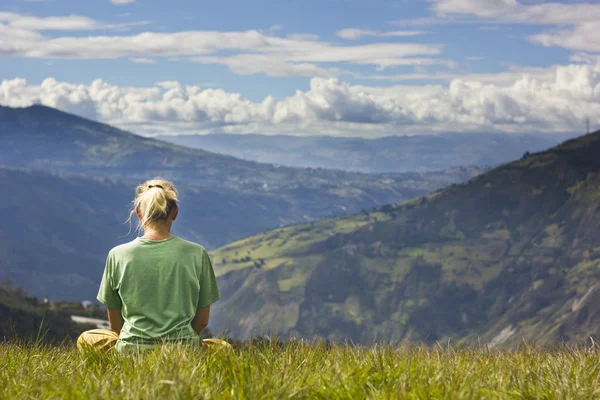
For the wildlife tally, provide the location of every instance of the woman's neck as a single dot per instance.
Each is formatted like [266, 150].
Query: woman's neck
[153, 233]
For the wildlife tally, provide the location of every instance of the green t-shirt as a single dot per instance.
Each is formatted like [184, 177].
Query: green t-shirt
[158, 285]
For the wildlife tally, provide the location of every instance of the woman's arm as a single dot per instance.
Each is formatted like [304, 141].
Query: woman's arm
[200, 320]
[115, 319]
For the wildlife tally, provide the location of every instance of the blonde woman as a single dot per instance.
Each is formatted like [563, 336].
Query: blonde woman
[158, 288]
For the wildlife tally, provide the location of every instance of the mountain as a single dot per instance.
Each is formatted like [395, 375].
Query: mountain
[68, 183]
[387, 154]
[44, 138]
[247, 196]
[511, 254]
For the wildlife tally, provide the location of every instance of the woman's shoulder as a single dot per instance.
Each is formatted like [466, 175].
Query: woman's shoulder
[124, 247]
[191, 246]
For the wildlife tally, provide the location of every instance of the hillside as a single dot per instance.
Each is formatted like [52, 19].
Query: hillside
[71, 182]
[249, 197]
[512, 253]
[387, 154]
[24, 318]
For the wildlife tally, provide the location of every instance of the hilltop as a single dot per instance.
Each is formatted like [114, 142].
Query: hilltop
[513, 253]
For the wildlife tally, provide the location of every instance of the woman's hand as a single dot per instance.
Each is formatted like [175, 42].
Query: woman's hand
[115, 319]
[200, 321]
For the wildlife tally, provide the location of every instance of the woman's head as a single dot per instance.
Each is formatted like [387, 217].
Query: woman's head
[155, 203]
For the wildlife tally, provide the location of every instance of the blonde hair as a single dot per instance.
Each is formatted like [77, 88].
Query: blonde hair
[156, 199]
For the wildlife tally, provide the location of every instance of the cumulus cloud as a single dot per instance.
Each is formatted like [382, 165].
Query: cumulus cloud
[121, 2]
[556, 99]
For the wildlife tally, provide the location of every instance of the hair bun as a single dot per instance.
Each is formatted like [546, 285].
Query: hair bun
[154, 206]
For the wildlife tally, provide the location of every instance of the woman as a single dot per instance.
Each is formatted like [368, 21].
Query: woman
[158, 288]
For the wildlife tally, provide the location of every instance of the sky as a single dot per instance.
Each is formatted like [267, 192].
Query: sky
[366, 68]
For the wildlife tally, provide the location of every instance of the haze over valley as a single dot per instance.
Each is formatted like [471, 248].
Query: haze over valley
[388, 154]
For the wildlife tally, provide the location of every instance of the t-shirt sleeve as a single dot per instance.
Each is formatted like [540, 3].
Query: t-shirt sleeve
[209, 291]
[107, 294]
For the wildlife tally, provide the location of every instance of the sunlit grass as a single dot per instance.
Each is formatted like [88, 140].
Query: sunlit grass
[301, 370]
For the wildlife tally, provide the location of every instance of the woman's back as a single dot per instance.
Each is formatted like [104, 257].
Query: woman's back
[158, 285]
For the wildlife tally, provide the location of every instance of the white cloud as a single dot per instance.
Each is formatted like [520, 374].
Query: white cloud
[514, 11]
[304, 63]
[426, 21]
[579, 22]
[251, 51]
[585, 58]
[505, 78]
[121, 2]
[552, 99]
[142, 60]
[303, 36]
[581, 37]
[70, 22]
[271, 65]
[20, 22]
[355, 34]
[576, 23]
[365, 54]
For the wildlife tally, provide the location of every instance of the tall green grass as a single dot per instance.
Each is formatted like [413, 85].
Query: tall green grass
[300, 370]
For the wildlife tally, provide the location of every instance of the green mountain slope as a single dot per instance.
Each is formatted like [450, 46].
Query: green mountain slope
[512, 253]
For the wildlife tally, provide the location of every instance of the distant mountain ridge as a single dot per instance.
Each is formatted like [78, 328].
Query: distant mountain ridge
[70, 183]
[512, 254]
[388, 154]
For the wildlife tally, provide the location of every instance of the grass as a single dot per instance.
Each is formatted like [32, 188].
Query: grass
[300, 370]
[283, 244]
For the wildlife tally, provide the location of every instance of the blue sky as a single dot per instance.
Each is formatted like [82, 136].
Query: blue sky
[339, 67]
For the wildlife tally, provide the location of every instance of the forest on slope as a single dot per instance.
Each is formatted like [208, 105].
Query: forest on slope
[513, 253]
